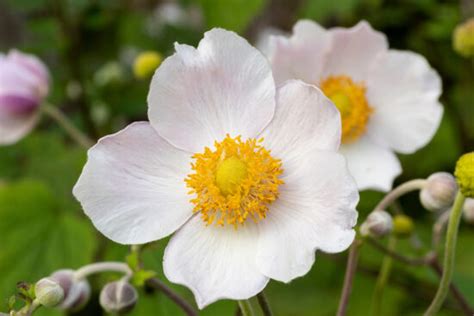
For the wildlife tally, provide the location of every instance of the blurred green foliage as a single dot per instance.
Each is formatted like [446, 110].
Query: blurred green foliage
[89, 46]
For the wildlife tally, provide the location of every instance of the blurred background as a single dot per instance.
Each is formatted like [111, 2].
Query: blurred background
[90, 47]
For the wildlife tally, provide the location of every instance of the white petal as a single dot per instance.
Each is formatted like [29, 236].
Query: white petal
[132, 186]
[305, 120]
[214, 262]
[353, 50]
[225, 86]
[14, 127]
[315, 210]
[371, 165]
[300, 56]
[403, 90]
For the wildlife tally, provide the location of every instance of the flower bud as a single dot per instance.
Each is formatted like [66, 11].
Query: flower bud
[48, 292]
[378, 224]
[465, 174]
[439, 191]
[24, 82]
[118, 297]
[468, 210]
[463, 38]
[146, 63]
[403, 225]
[76, 293]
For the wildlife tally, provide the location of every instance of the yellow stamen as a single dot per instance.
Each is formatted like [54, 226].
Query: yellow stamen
[236, 181]
[349, 98]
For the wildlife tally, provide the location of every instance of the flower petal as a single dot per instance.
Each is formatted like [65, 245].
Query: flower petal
[300, 56]
[214, 262]
[403, 90]
[305, 120]
[371, 165]
[14, 126]
[132, 186]
[225, 86]
[353, 50]
[315, 210]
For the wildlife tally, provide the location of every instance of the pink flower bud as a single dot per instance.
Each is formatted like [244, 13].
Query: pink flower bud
[118, 297]
[24, 83]
[439, 192]
[76, 293]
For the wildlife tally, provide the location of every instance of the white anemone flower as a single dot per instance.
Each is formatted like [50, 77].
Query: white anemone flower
[388, 98]
[250, 184]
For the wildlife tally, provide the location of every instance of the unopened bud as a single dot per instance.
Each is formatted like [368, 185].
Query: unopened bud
[465, 174]
[76, 293]
[118, 297]
[439, 191]
[468, 210]
[48, 292]
[146, 63]
[378, 224]
[403, 225]
[463, 38]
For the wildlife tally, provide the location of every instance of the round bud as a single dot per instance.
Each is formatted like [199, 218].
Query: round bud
[465, 174]
[48, 292]
[76, 293]
[439, 191]
[118, 297]
[403, 225]
[463, 38]
[146, 63]
[377, 224]
[468, 210]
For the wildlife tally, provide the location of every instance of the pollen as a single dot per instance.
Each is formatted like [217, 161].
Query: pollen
[236, 181]
[349, 97]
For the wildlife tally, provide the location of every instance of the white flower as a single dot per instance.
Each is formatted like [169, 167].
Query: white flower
[388, 99]
[24, 82]
[200, 168]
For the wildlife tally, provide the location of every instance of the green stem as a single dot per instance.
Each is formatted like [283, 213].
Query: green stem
[263, 302]
[66, 124]
[246, 308]
[382, 278]
[449, 253]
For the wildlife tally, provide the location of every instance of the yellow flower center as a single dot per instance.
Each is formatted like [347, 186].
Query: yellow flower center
[235, 181]
[349, 98]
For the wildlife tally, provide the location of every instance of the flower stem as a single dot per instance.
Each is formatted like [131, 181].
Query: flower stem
[382, 278]
[349, 277]
[158, 285]
[246, 308]
[449, 252]
[66, 124]
[98, 267]
[262, 300]
[402, 189]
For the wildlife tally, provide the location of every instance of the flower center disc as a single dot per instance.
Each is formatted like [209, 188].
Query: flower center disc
[236, 181]
[349, 98]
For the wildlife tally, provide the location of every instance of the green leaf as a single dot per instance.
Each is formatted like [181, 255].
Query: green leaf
[36, 237]
[141, 276]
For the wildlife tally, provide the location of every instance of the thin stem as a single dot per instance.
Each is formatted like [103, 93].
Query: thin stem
[438, 228]
[66, 124]
[262, 300]
[156, 284]
[402, 189]
[349, 277]
[395, 255]
[98, 267]
[383, 277]
[449, 252]
[246, 308]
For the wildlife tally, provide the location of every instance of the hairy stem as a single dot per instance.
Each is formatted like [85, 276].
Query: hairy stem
[246, 308]
[98, 267]
[263, 302]
[402, 189]
[449, 252]
[351, 268]
[156, 284]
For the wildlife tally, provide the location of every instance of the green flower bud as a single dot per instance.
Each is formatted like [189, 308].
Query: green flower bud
[465, 174]
[118, 297]
[146, 63]
[403, 225]
[439, 191]
[377, 224]
[463, 38]
[48, 292]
